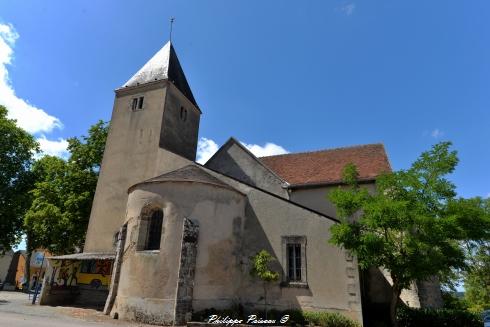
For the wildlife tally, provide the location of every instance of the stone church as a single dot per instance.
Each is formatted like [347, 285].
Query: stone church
[168, 236]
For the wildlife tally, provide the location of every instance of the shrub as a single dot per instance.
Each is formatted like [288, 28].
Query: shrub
[296, 317]
[328, 319]
[410, 317]
[453, 302]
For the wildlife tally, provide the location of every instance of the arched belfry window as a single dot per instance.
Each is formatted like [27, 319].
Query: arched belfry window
[154, 234]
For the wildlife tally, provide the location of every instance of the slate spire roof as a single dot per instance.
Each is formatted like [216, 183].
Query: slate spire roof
[163, 65]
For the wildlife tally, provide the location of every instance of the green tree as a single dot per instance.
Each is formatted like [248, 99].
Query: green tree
[17, 148]
[87, 151]
[413, 225]
[260, 269]
[63, 194]
[477, 279]
[45, 222]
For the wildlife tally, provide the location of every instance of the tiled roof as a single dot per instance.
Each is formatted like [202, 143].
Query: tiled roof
[325, 167]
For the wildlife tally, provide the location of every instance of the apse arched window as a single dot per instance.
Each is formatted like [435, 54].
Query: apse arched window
[154, 230]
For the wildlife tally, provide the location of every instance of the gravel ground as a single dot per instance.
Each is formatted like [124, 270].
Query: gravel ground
[16, 310]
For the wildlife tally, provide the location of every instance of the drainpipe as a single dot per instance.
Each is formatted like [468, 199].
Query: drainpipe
[116, 271]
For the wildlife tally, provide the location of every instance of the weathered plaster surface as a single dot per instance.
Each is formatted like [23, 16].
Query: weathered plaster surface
[133, 153]
[234, 160]
[179, 130]
[316, 198]
[233, 226]
[154, 274]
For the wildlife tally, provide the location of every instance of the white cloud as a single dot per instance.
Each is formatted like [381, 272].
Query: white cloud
[488, 195]
[29, 117]
[348, 9]
[53, 148]
[205, 149]
[437, 133]
[269, 149]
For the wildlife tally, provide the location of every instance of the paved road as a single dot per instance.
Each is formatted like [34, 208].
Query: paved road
[9, 319]
[17, 311]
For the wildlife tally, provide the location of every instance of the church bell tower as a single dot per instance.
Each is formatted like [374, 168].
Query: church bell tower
[153, 130]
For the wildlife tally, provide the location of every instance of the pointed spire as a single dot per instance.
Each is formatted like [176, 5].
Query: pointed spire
[163, 65]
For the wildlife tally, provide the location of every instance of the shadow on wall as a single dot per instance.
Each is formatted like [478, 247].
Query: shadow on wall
[280, 295]
[227, 165]
[376, 297]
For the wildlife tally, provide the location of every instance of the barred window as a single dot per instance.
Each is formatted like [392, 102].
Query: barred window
[294, 261]
[154, 230]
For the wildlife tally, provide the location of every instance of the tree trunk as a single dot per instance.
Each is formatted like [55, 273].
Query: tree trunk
[396, 291]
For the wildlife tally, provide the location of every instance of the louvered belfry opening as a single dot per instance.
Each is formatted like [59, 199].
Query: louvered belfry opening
[155, 230]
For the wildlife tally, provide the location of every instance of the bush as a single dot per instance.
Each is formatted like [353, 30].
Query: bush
[328, 319]
[410, 317]
[296, 317]
[453, 302]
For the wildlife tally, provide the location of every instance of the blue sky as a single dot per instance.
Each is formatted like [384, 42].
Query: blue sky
[302, 75]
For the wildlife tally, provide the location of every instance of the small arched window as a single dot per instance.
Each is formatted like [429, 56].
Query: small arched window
[154, 234]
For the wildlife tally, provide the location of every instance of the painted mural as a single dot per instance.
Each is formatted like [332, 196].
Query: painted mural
[70, 273]
[38, 266]
[64, 273]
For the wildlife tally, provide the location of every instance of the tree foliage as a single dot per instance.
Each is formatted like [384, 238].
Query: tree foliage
[477, 279]
[17, 148]
[63, 194]
[260, 269]
[413, 224]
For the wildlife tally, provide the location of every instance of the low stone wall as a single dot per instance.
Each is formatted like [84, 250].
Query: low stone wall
[145, 310]
[83, 296]
[55, 295]
[89, 297]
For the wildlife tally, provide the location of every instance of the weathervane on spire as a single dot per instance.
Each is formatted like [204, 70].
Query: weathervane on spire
[171, 24]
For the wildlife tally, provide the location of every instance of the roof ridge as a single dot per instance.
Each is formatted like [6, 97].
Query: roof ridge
[271, 194]
[242, 146]
[173, 176]
[324, 150]
[176, 171]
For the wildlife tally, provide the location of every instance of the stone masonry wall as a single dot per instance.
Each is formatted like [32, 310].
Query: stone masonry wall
[185, 287]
